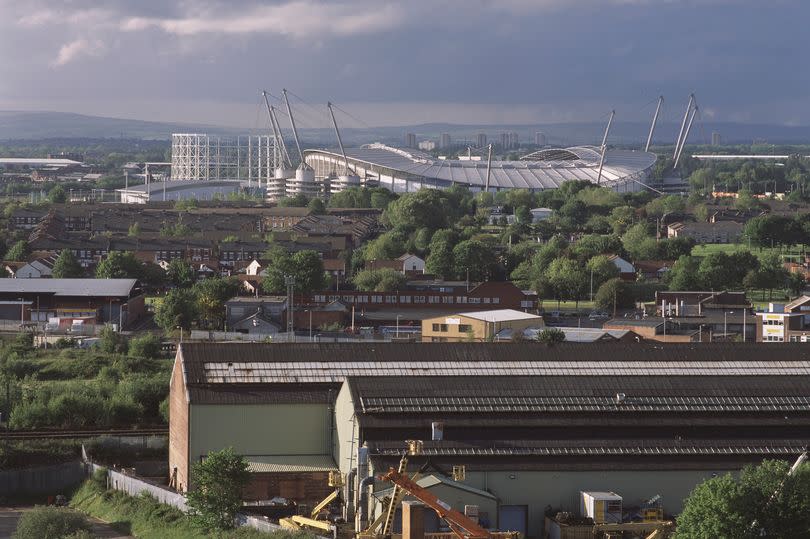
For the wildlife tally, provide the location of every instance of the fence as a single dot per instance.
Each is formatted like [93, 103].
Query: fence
[300, 337]
[135, 487]
[49, 480]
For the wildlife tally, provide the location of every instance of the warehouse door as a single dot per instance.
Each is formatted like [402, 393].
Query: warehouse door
[513, 518]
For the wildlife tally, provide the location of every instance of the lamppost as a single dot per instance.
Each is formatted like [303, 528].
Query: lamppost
[310, 324]
[398, 317]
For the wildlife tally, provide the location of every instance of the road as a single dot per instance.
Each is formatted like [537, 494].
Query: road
[10, 515]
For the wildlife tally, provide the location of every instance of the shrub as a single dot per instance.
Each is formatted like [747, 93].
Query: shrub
[112, 342]
[147, 346]
[551, 336]
[50, 523]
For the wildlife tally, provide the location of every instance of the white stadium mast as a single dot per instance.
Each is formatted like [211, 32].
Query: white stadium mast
[686, 135]
[654, 121]
[683, 124]
[292, 124]
[340, 141]
[604, 146]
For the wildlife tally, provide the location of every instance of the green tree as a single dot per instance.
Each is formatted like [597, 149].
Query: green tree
[614, 293]
[764, 502]
[180, 273]
[602, 269]
[684, 274]
[66, 266]
[381, 280]
[177, 309]
[551, 336]
[119, 265]
[316, 206]
[474, 258]
[211, 295]
[639, 243]
[112, 342]
[306, 267]
[425, 208]
[18, 252]
[147, 346]
[217, 484]
[567, 279]
[57, 195]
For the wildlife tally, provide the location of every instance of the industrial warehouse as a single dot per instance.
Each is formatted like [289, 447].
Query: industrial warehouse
[517, 431]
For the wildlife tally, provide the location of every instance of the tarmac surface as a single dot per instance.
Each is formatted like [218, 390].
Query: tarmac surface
[10, 515]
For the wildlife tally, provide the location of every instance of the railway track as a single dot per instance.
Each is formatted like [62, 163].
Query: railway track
[67, 434]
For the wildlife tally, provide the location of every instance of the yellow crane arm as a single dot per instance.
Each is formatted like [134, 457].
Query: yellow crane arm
[325, 502]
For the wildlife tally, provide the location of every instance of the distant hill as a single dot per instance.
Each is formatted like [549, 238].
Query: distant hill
[19, 125]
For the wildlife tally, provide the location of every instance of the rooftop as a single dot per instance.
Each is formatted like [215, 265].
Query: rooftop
[69, 287]
[501, 315]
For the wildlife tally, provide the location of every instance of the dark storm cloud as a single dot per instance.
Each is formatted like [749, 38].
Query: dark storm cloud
[454, 60]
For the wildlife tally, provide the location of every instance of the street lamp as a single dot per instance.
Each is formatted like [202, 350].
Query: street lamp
[310, 324]
[398, 317]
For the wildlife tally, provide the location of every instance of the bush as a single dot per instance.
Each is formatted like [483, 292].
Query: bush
[50, 523]
[551, 336]
[112, 342]
[148, 346]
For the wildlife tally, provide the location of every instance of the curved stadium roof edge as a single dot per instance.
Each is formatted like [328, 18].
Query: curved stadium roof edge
[544, 169]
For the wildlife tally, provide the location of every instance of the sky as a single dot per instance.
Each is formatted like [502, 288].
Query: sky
[410, 62]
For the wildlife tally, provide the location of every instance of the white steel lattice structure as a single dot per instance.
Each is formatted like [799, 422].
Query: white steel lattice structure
[202, 157]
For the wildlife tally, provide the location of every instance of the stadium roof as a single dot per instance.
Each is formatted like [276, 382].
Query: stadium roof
[36, 162]
[546, 169]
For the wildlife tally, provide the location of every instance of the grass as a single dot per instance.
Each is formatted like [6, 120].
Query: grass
[146, 518]
[729, 248]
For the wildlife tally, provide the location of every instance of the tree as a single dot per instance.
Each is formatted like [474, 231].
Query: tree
[567, 279]
[66, 266]
[684, 274]
[551, 336]
[306, 267]
[112, 342]
[217, 484]
[381, 280]
[18, 252]
[119, 265]
[763, 502]
[316, 206]
[180, 273]
[147, 346]
[211, 295]
[614, 294]
[57, 195]
[473, 258]
[638, 242]
[424, 208]
[602, 269]
[177, 309]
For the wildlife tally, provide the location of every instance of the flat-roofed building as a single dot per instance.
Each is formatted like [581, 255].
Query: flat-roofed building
[477, 326]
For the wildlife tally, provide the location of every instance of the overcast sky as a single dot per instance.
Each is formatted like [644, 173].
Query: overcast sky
[395, 63]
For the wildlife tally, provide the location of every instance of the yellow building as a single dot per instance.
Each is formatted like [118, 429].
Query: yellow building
[476, 326]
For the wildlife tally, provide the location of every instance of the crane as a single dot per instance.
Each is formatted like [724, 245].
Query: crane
[314, 520]
[462, 526]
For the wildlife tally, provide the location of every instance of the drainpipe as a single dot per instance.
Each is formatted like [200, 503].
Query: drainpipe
[349, 496]
[362, 514]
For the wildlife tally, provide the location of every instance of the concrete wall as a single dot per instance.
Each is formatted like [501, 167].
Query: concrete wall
[135, 487]
[178, 429]
[260, 429]
[50, 480]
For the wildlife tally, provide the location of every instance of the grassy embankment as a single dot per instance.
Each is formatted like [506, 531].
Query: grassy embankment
[145, 518]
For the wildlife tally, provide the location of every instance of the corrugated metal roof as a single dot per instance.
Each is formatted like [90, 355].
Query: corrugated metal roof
[432, 480]
[251, 363]
[500, 315]
[69, 287]
[290, 463]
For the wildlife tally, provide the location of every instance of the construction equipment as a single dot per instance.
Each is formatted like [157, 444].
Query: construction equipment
[652, 510]
[320, 519]
[463, 527]
[653, 530]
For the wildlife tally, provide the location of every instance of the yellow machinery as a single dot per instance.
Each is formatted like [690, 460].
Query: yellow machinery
[653, 530]
[317, 520]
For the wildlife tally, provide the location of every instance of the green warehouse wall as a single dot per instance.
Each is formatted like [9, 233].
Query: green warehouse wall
[260, 429]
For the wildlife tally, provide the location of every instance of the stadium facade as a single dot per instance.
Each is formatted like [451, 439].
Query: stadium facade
[406, 170]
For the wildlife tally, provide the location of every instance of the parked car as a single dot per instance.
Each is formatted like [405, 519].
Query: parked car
[598, 315]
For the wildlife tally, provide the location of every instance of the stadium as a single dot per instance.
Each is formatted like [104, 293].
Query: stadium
[409, 170]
